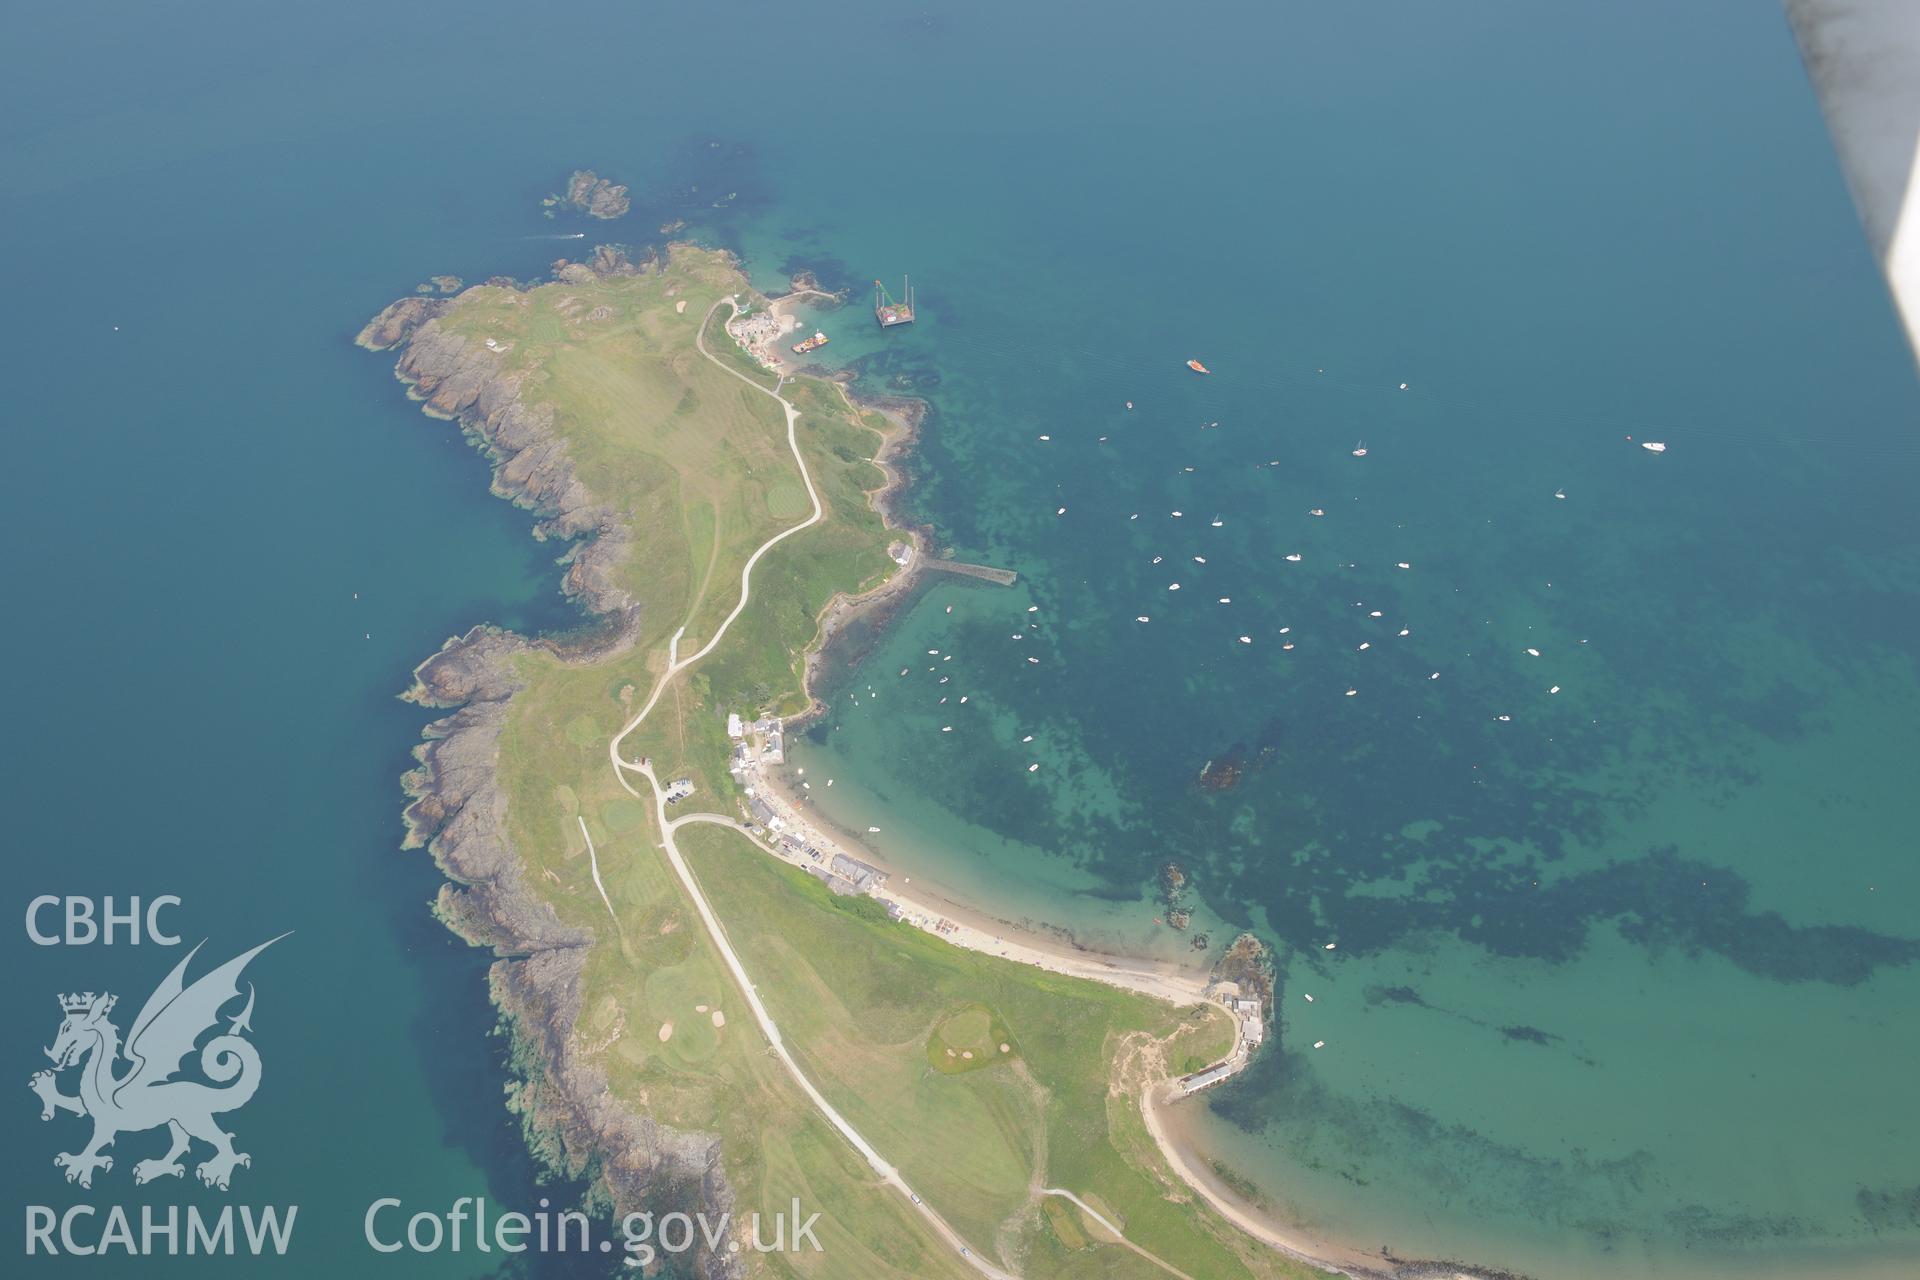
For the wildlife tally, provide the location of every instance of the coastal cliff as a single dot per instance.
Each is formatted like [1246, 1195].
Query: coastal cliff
[455, 379]
[457, 808]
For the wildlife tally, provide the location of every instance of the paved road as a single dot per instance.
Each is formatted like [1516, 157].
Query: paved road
[715, 931]
[718, 933]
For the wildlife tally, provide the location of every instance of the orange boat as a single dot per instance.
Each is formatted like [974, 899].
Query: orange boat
[1197, 367]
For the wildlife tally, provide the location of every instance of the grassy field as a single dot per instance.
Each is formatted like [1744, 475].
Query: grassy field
[881, 1016]
[871, 1009]
[683, 449]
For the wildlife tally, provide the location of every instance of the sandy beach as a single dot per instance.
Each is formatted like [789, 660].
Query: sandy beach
[1165, 1109]
[930, 906]
[1170, 1123]
[800, 835]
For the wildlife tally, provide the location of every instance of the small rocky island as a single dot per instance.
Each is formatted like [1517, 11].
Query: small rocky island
[593, 195]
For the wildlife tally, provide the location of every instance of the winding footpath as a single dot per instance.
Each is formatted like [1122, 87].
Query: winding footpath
[715, 930]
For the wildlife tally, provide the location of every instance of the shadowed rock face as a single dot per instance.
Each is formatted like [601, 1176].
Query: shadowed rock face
[460, 379]
[397, 322]
[458, 811]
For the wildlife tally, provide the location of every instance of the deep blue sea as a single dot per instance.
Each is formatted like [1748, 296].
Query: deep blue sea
[1604, 799]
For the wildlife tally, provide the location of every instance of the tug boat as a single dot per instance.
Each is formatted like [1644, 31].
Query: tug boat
[814, 343]
[1197, 367]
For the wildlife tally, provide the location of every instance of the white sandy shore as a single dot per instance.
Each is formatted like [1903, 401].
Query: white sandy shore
[1161, 1105]
[966, 926]
[1170, 1125]
[926, 906]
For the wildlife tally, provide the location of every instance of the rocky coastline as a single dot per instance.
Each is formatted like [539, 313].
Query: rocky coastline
[906, 415]
[456, 809]
[458, 812]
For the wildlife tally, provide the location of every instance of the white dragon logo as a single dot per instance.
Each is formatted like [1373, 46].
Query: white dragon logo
[146, 1095]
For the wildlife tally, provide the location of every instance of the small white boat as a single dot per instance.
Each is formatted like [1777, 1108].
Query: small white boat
[1359, 450]
[1653, 446]
[873, 831]
[1295, 557]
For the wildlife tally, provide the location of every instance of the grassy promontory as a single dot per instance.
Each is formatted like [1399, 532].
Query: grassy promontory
[602, 414]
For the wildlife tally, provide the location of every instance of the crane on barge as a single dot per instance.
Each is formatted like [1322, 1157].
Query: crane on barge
[886, 310]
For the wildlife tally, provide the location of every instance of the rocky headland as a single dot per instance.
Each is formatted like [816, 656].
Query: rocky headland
[458, 811]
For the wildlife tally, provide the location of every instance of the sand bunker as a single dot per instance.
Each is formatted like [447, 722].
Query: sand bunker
[666, 1032]
[719, 1018]
[699, 1008]
[1006, 1048]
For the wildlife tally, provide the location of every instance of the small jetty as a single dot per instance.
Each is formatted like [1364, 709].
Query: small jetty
[888, 312]
[985, 572]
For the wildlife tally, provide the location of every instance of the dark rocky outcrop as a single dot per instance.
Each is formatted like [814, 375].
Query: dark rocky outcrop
[593, 195]
[458, 810]
[461, 379]
[394, 324]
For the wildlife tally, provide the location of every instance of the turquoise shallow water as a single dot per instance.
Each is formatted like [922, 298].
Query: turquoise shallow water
[1627, 976]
